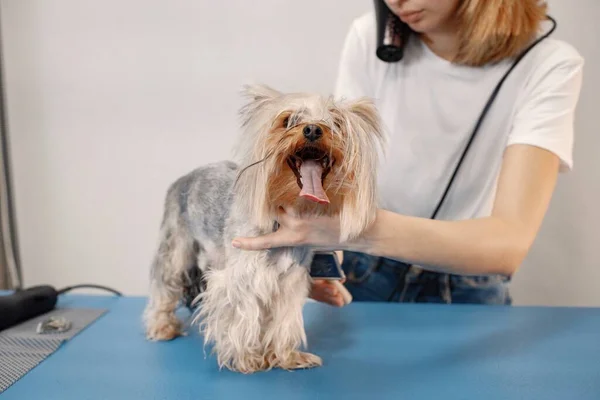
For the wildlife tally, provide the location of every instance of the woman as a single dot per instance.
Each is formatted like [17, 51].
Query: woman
[430, 102]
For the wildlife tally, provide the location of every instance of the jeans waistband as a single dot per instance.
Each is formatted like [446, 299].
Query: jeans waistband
[398, 281]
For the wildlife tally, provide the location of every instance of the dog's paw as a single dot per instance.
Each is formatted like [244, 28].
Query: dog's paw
[246, 365]
[251, 365]
[301, 360]
[165, 328]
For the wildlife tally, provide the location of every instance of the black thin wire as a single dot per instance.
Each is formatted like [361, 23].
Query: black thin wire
[485, 111]
[89, 286]
[250, 166]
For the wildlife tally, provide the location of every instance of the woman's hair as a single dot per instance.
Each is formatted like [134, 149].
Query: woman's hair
[492, 30]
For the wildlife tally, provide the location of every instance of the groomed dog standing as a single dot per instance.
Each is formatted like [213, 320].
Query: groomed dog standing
[313, 154]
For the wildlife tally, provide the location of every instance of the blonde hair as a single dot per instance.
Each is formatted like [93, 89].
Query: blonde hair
[493, 30]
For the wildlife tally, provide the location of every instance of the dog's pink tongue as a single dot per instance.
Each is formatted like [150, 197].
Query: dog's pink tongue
[312, 189]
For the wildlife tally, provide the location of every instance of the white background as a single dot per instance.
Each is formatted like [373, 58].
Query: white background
[109, 101]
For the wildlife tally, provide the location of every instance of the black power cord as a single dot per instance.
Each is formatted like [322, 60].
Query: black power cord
[25, 304]
[89, 286]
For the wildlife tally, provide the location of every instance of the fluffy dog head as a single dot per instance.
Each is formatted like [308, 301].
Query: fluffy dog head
[311, 153]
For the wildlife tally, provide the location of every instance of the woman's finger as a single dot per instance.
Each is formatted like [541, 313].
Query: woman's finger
[332, 301]
[264, 242]
[336, 301]
[325, 292]
[284, 236]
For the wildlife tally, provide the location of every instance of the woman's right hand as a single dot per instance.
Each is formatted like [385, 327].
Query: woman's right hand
[326, 292]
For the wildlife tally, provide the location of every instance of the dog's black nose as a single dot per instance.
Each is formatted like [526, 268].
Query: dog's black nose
[312, 132]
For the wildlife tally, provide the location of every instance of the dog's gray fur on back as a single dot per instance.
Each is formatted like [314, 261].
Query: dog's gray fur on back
[183, 221]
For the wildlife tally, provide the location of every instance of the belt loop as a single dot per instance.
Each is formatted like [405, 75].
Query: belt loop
[406, 279]
[413, 272]
[444, 285]
[402, 281]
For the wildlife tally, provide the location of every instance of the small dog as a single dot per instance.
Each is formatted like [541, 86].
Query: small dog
[306, 152]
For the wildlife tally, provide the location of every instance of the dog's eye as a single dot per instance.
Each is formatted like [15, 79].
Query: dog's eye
[286, 122]
[337, 124]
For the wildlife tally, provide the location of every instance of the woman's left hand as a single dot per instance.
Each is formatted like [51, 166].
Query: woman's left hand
[318, 232]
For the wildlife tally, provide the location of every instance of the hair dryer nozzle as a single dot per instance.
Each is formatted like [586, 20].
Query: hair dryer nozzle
[392, 34]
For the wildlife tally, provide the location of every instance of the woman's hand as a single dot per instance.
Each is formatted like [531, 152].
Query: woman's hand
[318, 232]
[326, 292]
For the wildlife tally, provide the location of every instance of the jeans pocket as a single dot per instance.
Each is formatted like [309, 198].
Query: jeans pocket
[477, 281]
[359, 267]
[484, 289]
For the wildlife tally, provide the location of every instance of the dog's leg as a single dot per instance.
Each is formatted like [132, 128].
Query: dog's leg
[175, 255]
[285, 334]
[232, 307]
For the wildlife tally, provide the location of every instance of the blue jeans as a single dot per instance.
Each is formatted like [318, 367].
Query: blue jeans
[371, 278]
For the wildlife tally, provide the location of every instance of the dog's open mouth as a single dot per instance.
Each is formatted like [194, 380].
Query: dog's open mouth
[311, 165]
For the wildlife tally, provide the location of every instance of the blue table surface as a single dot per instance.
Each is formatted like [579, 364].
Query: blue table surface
[380, 351]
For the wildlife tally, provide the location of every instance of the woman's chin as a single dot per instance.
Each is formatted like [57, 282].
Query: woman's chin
[420, 26]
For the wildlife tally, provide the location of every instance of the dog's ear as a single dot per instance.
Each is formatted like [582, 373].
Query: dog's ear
[257, 115]
[365, 126]
[259, 97]
[259, 92]
[365, 112]
[365, 145]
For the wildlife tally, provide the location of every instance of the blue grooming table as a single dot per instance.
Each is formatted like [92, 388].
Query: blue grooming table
[370, 351]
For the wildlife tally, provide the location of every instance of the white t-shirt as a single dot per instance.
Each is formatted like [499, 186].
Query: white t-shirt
[429, 108]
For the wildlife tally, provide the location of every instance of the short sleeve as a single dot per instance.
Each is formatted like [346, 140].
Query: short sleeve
[546, 113]
[353, 71]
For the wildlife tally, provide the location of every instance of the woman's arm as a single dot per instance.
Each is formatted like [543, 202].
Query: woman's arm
[539, 144]
[493, 245]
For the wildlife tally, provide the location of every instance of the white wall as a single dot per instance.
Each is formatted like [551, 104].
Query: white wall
[563, 267]
[109, 101]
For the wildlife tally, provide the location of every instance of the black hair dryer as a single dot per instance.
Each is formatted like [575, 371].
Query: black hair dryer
[392, 33]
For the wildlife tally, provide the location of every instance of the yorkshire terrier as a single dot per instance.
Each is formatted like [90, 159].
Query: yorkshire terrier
[313, 154]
